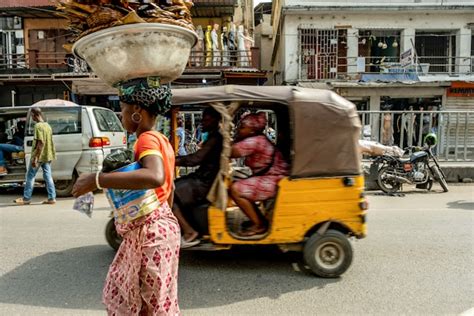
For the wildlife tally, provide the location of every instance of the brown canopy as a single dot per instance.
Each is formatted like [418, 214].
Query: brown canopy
[326, 126]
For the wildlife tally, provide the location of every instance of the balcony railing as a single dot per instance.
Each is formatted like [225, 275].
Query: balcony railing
[225, 59]
[35, 60]
[323, 67]
[56, 62]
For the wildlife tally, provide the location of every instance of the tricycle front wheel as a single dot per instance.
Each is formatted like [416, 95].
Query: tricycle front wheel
[113, 238]
[328, 255]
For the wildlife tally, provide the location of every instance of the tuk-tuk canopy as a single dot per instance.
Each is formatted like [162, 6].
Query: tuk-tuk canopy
[325, 126]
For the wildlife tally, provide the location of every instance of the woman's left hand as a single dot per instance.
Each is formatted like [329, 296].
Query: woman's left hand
[85, 183]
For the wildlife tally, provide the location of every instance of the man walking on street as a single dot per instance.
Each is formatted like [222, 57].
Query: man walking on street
[42, 154]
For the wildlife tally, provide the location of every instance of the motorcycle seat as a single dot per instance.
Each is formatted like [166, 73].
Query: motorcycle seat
[404, 160]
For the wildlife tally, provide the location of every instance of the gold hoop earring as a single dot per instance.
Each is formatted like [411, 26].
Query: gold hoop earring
[136, 120]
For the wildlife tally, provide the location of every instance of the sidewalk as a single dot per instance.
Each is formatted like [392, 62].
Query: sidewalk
[456, 171]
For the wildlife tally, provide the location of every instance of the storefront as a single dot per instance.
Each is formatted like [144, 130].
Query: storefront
[375, 96]
[460, 96]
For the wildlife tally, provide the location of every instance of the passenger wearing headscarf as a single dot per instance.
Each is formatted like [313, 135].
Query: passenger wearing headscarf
[142, 279]
[267, 165]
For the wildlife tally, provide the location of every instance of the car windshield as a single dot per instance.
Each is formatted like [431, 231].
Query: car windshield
[62, 120]
[107, 121]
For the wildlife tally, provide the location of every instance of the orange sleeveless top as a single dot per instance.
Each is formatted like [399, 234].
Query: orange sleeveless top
[155, 143]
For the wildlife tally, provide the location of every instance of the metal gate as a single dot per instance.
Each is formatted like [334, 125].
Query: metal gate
[318, 56]
[454, 129]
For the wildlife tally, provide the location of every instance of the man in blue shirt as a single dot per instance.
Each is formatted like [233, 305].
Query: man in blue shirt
[181, 133]
[16, 145]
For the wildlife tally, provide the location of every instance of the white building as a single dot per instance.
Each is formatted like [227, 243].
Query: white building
[400, 53]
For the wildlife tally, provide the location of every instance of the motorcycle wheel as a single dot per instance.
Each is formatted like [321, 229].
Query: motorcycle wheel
[387, 185]
[429, 185]
[440, 178]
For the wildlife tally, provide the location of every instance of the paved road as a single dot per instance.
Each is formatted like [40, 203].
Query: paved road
[417, 259]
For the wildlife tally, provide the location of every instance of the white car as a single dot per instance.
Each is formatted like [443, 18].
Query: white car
[82, 135]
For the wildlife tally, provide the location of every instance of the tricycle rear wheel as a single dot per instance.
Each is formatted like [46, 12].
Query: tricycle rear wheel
[328, 255]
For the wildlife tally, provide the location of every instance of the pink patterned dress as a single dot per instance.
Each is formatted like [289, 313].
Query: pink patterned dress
[143, 278]
[258, 153]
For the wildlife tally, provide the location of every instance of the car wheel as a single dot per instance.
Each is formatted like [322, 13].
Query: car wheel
[64, 187]
[328, 255]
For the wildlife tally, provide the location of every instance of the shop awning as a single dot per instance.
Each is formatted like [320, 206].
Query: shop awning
[92, 87]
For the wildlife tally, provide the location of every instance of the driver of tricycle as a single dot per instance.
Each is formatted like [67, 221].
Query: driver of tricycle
[192, 189]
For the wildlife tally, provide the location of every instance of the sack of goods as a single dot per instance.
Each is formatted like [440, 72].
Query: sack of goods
[371, 148]
[128, 205]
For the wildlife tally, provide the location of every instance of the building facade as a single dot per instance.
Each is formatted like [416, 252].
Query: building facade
[34, 65]
[264, 37]
[399, 55]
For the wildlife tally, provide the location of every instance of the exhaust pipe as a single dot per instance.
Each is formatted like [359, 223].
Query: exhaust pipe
[397, 178]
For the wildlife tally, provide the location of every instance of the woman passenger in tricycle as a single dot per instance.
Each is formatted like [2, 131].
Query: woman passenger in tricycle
[268, 168]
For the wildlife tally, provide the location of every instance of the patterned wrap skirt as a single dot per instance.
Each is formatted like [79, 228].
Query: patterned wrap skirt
[143, 277]
[257, 188]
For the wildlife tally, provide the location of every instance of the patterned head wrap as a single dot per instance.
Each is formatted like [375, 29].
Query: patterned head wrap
[147, 93]
[255, 121]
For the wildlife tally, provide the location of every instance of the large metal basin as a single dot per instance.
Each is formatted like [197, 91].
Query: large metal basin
[137, 50]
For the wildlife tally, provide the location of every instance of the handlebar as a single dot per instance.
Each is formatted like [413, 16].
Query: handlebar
[416, 148]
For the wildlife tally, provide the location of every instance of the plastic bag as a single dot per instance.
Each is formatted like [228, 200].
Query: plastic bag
[117, 160]
[85, 204]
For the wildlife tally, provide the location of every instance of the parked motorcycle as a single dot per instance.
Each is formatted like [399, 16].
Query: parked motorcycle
[420, 168]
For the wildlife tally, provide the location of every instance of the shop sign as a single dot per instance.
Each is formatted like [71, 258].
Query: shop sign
[461, 89]
[406, 58]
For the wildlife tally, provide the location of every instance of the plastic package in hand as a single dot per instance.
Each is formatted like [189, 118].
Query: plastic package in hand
[85, 204]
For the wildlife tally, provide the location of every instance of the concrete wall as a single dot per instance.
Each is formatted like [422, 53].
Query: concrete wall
[277, 71]
[263, 40]
[243, 15]
[407, 22]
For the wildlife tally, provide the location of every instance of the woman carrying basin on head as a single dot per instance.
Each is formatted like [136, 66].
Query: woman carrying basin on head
[142, 279]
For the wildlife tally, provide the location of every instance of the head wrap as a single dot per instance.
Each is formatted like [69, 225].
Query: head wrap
[147, 93]
[255, 121]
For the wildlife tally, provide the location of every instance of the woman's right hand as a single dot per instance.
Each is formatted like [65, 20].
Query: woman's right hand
[85, 183]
